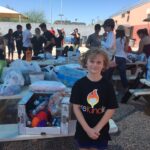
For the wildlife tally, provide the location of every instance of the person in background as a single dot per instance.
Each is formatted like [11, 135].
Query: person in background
[94, 105]
[52, 31]
[122, 43]
[48, 37]
[10, 43]
[59, 42]
[37, 42]
[94, 40]
[109, 45]
[27, 35]
[64, 35]
[144, 44]
[76, 39]
[18, 38]
[2, 49]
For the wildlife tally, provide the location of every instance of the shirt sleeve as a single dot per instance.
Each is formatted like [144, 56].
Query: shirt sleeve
[88, 40]
[75, 94]
[108, 44]
[111, 99]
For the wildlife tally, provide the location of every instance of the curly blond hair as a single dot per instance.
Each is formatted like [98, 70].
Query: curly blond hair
[91, 54]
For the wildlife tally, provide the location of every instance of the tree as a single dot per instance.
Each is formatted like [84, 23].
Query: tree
[35, 16]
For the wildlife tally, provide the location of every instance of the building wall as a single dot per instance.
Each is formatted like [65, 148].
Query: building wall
[134, 18]
[83, 29]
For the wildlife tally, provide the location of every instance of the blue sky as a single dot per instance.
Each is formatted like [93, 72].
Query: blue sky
[80, 10]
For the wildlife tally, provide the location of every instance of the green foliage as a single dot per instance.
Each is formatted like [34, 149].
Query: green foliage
[35, 16]
[9, 20]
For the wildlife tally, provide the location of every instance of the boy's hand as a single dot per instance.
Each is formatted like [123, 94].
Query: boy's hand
[92, 133]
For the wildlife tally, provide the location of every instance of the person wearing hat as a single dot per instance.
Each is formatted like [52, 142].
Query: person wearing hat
[121, 54]
[94, 40]
[49, 38]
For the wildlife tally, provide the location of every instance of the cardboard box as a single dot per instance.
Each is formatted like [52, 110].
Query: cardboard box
[23, 117]
[67, 126]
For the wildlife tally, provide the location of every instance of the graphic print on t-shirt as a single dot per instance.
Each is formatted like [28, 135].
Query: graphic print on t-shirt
[93, 98]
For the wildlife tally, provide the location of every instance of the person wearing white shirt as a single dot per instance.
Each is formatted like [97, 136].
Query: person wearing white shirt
[108, 45]
[27, 35]
[121, 54]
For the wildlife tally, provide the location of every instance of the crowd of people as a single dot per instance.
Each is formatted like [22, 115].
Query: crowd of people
[36, 43]
[116, 44]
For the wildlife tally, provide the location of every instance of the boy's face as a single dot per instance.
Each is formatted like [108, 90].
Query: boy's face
[95, 65]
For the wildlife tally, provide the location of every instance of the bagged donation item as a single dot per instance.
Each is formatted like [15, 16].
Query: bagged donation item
[8, 90]
[47, 86]
[49, 73]
[69, 75]
[13, 80]
[39, 76]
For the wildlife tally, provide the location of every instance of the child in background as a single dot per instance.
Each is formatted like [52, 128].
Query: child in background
[94, 102]
[10, 43]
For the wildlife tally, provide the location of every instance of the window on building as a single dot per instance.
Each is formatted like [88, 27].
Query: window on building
[128, 17]
[123, 15]
[148, 15]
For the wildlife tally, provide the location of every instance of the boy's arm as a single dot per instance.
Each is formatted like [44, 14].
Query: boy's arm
[79, 116]
[140, 50]
[108, 114]
[88, 42]
[90, 131]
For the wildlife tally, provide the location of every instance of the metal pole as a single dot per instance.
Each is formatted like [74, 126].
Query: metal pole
[19, 18]
[51, 13]
[61, 11]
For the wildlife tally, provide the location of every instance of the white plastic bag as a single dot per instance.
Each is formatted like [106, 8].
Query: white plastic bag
[12, 76]
[25, 66]
[8, 90]
[47, 86]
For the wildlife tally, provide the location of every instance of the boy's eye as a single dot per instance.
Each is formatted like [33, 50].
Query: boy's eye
[98, 62]
[92, 61]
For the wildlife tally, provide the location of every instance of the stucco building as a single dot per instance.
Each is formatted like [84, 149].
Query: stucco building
[133, 18]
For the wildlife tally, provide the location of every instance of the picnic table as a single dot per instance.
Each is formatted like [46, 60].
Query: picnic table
[140, 68]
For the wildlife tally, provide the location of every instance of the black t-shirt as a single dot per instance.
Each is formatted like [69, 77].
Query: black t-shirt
[18, 37]
[94, 99]
[77, 39]
[48, 37]
[37, 43]
[59, 41]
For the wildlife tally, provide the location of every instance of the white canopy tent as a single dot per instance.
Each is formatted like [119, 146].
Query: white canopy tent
[8, 13]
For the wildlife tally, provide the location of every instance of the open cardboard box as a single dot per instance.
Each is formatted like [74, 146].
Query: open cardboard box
[27, 101]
